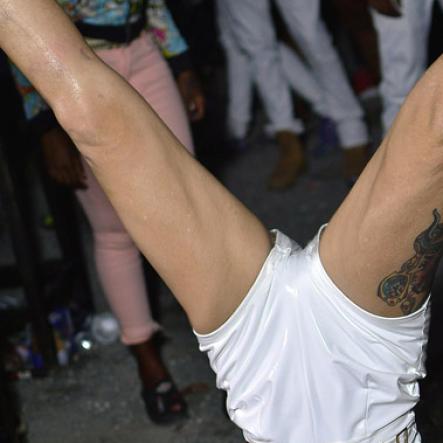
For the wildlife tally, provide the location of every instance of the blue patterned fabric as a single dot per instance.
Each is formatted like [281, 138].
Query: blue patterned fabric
[110, 13]
[120, 12]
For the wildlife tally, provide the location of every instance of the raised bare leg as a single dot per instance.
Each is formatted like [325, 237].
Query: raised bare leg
[383, 245]
[204, 243]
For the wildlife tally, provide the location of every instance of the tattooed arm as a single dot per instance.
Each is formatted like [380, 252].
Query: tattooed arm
[207, 247]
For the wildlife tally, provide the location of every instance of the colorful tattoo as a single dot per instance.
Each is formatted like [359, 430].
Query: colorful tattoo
[414, 279]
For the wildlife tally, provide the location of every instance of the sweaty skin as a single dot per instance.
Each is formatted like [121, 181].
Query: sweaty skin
[204, 243]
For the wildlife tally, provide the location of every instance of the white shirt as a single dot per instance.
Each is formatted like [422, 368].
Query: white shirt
[301, 363]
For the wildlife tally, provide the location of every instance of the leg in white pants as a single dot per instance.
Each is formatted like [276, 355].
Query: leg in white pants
[301, 79]
[240, 78]
[403, 53]
[239, 73]
[303, 20]
[252, 28]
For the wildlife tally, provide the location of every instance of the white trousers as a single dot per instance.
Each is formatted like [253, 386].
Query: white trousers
[303, 20]
[403, 53]
[249, 40]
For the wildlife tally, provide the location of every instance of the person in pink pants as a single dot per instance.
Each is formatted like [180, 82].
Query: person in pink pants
[117, 258]
[118, 261]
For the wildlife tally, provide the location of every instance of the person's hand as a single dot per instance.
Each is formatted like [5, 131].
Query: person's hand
[62, 159]
[192, 94]
[391, 8]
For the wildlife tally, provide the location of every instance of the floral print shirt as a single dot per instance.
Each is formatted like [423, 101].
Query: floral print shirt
[120, 12]
[109, 13]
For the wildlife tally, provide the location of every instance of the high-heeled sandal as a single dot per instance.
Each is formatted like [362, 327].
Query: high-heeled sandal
[164, 404]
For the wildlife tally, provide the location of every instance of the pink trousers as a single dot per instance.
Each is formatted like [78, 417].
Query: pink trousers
[117, 259]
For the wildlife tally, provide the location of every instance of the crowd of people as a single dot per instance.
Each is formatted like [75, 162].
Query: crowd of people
[293, 54]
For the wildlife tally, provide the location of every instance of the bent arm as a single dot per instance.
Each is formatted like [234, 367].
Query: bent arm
[204, 243]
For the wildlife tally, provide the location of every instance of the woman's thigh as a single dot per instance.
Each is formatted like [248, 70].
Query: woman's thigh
[143, 66]
[383, 244]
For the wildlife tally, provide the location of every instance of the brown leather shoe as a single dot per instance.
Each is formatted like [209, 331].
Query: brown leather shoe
[292, 161]
[354, 161]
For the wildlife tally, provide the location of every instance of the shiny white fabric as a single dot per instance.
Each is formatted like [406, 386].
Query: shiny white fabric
[301, 363]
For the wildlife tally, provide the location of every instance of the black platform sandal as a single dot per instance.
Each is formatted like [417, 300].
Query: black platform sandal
[164, 404]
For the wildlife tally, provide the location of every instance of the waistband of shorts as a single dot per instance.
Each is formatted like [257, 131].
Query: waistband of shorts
[322, 279]
[282, 247]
